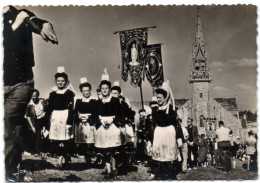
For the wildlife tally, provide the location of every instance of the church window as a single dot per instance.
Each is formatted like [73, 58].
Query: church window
[203, 65]
[197, 66]
[201, 121]
[200, 95]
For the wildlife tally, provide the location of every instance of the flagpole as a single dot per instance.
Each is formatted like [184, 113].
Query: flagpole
[141, 93]
[115, 32]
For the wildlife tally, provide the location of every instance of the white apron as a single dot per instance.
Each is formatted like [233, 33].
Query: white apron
[164, 144]
[59, 130]
[107, 137]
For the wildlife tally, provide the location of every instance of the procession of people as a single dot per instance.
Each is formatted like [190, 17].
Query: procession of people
[104, 129]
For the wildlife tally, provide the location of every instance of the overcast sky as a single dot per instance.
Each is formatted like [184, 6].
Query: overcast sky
[87, 45]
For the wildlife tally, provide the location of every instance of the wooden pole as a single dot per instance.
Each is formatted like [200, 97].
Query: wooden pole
[141, 93]
[115, 32]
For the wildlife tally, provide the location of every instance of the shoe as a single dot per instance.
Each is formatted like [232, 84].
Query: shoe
[195, 168]
[115, 174]
[61, 162]
[99, 159]
[93, 159]
[109, 176]
[189, 169]
[11, 178]
[16, 175]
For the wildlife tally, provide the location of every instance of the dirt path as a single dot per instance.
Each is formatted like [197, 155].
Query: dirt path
[45, 170]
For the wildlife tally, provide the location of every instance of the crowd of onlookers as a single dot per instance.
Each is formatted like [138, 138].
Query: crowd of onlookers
[205, 151]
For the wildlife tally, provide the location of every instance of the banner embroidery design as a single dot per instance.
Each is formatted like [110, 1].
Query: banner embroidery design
[153, 65]
[133, 49]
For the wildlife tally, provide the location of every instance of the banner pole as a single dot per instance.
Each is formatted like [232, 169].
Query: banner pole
[115, 32]
[141, 93]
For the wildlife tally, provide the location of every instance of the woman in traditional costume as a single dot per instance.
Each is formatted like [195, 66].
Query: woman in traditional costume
[107, 134]
[167, 133]
[60, 110]
[127, 118]
[84, 118]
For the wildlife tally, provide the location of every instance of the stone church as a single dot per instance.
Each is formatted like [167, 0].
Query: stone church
[206, 110]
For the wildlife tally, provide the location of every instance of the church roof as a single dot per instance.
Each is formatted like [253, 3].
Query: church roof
[228, 103]
[180, 102]
[138, 103]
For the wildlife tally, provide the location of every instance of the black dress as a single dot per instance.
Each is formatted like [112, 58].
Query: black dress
[108, 134]
[60, 111]
[84, 130]
[166, 134]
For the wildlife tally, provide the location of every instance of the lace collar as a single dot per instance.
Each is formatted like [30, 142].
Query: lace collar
[165, 107]
[84, 99]
[68, 87]
[106, 100]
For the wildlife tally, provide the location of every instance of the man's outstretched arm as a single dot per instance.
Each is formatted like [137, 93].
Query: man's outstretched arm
[37, 25]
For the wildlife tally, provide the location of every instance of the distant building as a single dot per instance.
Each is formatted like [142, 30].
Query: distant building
[205, 110]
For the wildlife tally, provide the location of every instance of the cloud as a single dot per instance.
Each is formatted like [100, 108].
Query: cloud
[244, 86]
[217, 66]
[220, 89]
[243, 62]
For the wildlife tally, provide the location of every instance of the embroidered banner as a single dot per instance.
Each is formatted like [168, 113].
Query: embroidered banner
[153, 65]
[133, 50]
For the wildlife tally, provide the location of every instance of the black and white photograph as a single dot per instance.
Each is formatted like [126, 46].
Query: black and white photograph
[129, 93]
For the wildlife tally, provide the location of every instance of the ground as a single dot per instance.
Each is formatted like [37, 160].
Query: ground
[38, 169]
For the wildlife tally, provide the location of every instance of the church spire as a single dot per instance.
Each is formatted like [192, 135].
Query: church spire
[199, 47]
[199, 55]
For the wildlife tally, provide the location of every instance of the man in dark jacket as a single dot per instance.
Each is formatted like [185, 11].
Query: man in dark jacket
[18, 77]
[192, 144]
[37, 121]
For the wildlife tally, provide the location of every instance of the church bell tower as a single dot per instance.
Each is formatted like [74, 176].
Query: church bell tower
[200, 79]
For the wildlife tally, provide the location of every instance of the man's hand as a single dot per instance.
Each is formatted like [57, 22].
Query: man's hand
[48, 33]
